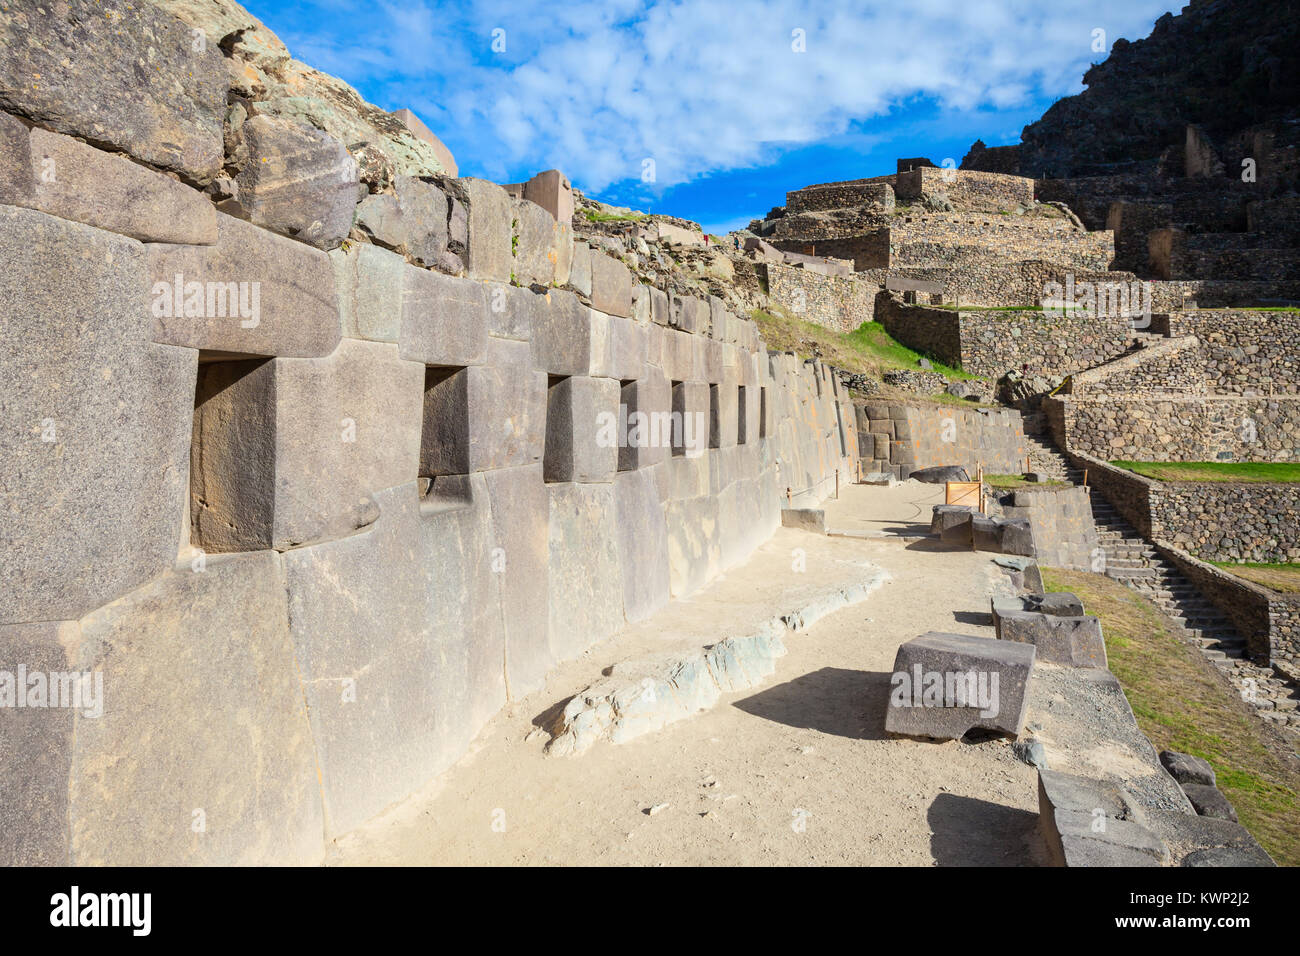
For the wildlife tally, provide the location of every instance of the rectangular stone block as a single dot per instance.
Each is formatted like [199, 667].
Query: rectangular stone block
[17, 185]
[694, 551]
[688, 313]
[580, 271]
[581, 430]
[95, 422]
[586, 584]
[484, 417]
[678, 357]
[1088, 822]
[520, 514]
[253, 293]
[534, 244]
[291, 451]
[562, 337]
[723, 416]
[1074, 641]
[660, 311]
[641, 303]
[642, 545]
[488, 253]
[511, 311]
[202, 709]
[78, 182]
[445, 320]
[369, 283]
[153, 95]
[628, 348]
[945, 685]
[692, 417]
[710, 361]
[611, 285]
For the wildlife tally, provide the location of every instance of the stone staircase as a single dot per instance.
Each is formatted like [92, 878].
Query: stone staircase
[1129, 559]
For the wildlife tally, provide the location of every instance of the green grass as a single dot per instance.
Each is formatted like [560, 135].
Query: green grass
[598, 216]
[1182, 704]
[1282, 578]
[871, 339]
[1254, 472]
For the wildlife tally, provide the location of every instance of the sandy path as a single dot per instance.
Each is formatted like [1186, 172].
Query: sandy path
[796, 771]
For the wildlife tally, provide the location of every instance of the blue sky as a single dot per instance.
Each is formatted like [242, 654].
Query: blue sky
[733, 102]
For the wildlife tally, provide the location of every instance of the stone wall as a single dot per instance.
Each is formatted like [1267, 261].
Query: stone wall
[1060, 519]
[880, 196]
[839, 303]
[992, 342]
[1213, 521]
[900, 438]
[1180, 428]
[366, 458]
[1243, 350]
[966, 189]
[1173, 366]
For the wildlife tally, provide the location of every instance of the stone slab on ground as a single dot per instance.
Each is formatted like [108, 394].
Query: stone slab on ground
[1086, 822]
[1074, 641]
[981, 684]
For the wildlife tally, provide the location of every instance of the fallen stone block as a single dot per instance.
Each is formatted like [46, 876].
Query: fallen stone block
[139, 84]
[985, 535]
[1196, 840]
[1015, 537]
[95, 446]
[78, 182]
[879, 478]
[1087, 822]
[253, 293]
[1058, 603]
[1186, 768]
[805, 519]
[945, 685]
[1209, 801]
[1075, 641]
[1225, 856]
[941, 474]
[947, 516]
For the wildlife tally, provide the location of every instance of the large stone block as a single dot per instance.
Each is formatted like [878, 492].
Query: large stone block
[723, 416]
[78, 182]
[203, 722]
[359, 615]
[586, 585]
[642, 545]
[445, 320]
[116, 72]
[580, 270]
[627, 346]
[17, 185]
[581, 439]
[488, 253]
[424, 220]
[691, 416]
[369, 283]
[95, 422]
[611, 285]
[688, 313]
[945, 685]
[694, 549]
[289, 451]
[253, 293]
[511, 311]
[562, 337]
[533, 244]
[1075, 641]
[1088, 822]
[298, 181]
[36, 745]
[485, 417]
[520, 514]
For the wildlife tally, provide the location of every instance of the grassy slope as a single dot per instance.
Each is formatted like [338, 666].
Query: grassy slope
[1254, 472]
[1182, 704]
[1283, 578]
[868, 350]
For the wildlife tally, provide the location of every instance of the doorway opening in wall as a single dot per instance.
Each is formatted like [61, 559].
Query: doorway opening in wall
[444, 438]
[740, 415]
[232, 454]
[679, 420]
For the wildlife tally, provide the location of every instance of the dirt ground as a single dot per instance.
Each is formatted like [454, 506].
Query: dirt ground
[796, 771]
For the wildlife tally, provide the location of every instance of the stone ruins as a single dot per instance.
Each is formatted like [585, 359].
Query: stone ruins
[317, 455]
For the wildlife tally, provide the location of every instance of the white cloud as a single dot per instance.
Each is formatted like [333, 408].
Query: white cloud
[593, 88]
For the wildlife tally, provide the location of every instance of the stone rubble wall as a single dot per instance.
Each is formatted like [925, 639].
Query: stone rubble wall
[1166, 427]
[1165, 366]
[1243, 350]
[314, 545]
